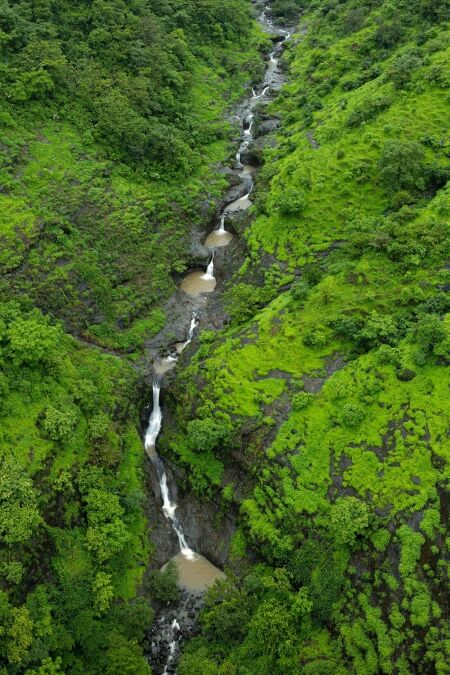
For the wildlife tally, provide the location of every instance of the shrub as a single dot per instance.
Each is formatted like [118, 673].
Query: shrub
[300, 290]
[400, 71]
[400, 164]
[352, 414]
[59, 424]
[301, 400]
[206, 435]
[163, 583]
[292, 202]
[315, 338]
[349, 518]
[379, 329]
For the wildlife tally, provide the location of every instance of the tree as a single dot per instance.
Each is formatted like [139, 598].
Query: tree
[59, 424]
[401, 69]
[19, 514]
[163, 584]
[270, 630]
[125, 658]
[400, 164]
[103, 592]
[349, 518]
[20, 634]
[106, 534]
[32, 340]
[379, 329]
[292, 202]
[206, 435]
[430, 332]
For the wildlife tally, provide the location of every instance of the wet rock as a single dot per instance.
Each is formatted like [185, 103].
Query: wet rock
[406, 375]
[251, 155]
[266, 126]
[236, 192]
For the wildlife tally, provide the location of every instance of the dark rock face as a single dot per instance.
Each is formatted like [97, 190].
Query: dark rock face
[172, 627]
[207, 530]
[266, 126]
[406, 375]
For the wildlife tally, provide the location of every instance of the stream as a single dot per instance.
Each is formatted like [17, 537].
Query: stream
[195, 572]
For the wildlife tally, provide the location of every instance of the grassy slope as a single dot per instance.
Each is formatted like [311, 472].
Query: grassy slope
[363, 430]
[94, 243]
[91, 241]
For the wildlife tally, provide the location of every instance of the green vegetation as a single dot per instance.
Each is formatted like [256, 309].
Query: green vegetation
[319, 414]
[111, 122]
[111, 118]
[333, 373]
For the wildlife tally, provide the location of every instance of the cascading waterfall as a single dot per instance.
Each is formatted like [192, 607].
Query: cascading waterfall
[168, 506]
[171, 628]
[209, 274]
[152, 433]
[154, 423]
[222, 229]
[172, 646]
[263, 93]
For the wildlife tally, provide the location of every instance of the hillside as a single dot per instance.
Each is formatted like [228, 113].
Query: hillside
[112, 124]
[306, 425]
[322, 411]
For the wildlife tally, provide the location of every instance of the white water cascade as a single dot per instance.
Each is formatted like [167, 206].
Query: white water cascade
[222, 229]
[154, 423]
[172, 646]
[263, 93]
[152, 433]
[196, 572]
[209, 274]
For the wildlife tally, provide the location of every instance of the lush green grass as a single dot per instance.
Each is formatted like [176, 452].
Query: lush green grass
[335, 380]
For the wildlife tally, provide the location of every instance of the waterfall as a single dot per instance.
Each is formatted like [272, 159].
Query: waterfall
[263, 93]
[168, 493]
[154, 423]
[209, 274]
[193, 325]
[175, 626]
[153, 429]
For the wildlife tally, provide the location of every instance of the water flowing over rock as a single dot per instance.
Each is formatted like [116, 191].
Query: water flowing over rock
[196, 572]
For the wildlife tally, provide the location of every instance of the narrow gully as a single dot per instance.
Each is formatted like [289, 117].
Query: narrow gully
[196, 573]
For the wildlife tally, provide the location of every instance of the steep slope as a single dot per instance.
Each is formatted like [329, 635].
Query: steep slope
[111, 117]
[330, 389]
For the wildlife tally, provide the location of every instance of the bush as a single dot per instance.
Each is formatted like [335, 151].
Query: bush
[206, 435]
[349, 518]
[300, 290]
[292, 202]
[352, 414]
[59, 424]
[163, 584]
[401, 70]
[315, 338]
[378, 330]
[400, 164]
[301, 400]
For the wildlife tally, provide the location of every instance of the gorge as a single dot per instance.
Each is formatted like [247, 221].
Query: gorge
[224, 337]
[194, 572]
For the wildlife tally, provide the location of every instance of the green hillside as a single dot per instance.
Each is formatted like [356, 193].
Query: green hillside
[332, 381]
[111, 122]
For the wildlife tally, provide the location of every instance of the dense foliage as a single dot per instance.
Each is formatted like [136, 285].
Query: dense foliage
[333, 374]
[111, 116]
